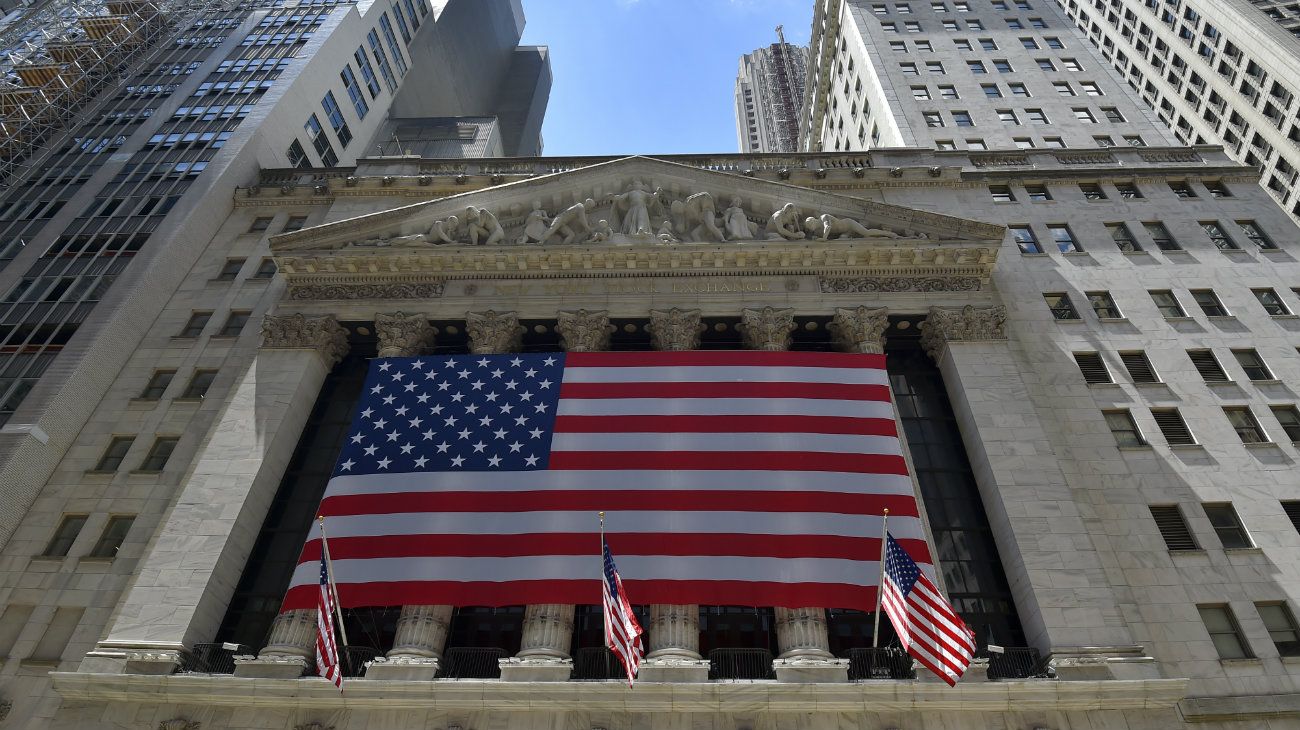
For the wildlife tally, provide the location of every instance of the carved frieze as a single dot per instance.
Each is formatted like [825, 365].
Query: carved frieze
[179, 723]
[297, 331]
[427, 290]
[881, 284]
[861, 329]
[768, 328]
[403, 335]
[493, 332]
[968, 324]
[584, 331]
[675, 329]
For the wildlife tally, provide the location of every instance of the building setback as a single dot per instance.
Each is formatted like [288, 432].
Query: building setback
[769, 98]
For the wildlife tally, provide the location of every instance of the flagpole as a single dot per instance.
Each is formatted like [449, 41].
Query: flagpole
[880, 586]
[334, 589]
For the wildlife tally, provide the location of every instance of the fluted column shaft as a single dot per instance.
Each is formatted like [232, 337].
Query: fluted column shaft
[800, 632]
[293, 633]
[548, 627]
[675, 629]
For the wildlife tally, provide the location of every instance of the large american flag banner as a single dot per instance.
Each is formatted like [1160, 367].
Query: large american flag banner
[926, 625]
[739, 478]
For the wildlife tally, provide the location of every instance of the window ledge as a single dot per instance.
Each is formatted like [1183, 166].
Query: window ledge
[1103, 385]
[1074, 253]
[1290, 658]
[1222, 317]
[1261, 445]
[1151, 384]
[1034, 254]
[1072, 320]
[142, 401]
[1271, 250]
[1180, 251]
[1195, 551]
[1187, 447]
[48, 558]
[184, 338]
[1233, 251]
[1285, 316]
[39, 663]
[223, 337]
[1136, 253]
[1222, 383]
[1270, 381]
[1180, 319]
[144, 472]
[95, 559]
[188, 400]
[1113, 320]
[222, 281]
[1139, 447]
[1243, 662]
[1244, 551]
[98, 473]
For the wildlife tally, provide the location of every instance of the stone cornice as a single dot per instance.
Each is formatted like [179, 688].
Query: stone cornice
[705, 697]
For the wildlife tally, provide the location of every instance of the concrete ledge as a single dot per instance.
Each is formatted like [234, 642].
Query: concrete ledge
[473, 696]
[411, 669]
[1241, 707]
[270, 667]
[680, 671]
[803, 670]
[514, 669]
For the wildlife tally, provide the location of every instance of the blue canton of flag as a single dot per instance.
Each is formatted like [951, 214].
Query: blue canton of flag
[465, 413]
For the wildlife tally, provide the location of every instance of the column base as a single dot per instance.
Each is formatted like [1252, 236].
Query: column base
[516, 669]
[403, 668]
[270, 667]
[810, 670]
[152, 662]
[674, 669]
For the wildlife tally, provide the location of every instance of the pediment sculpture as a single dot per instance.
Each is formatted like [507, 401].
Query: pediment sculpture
[636, 215]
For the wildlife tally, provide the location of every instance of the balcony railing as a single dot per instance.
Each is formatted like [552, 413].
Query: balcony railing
[471, 662]
[1019, 662]
[741, 664]
[212, 658]
[595, 663]
[354, 660]
[887, 663]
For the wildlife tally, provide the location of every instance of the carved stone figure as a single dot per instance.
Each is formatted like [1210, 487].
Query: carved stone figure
[483, 227]
[638, 203]
[883, 233]
[785, 224]
[665, 233]
[601, 232]
[535, 225]
[828, 227]
[697, 218]
[376, 242]
[572, 222]
[735, 224]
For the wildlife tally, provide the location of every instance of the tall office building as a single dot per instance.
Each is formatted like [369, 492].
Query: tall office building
[769, 98]
[1216, 72]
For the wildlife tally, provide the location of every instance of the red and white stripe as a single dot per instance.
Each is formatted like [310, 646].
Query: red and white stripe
[928, 628]
[327, 650]
[740, 477]
[622, 632]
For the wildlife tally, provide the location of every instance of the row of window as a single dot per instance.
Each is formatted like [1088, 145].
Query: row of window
[1064, 239]
[1174, 427]
[106, 547]
[1181, 189]
[1013, 117]
[1138, 365]
[261, 224]
[1001, 65]
[198, 321]
[154, 462]
[952, 26]
[939, 7]
[230, 270]
[1103, 304]
[197, 387]
[1029, 43]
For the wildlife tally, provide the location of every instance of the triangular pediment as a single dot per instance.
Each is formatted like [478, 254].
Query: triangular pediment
[634, 201]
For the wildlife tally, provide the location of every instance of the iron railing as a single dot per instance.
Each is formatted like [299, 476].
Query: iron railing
[354, 659]
[471, 662]
[1019, 662]
[741, 664]
[212, 658]
[594, 663]
[886, 663]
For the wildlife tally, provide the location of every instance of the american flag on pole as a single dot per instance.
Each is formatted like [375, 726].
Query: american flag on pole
[327, 649]
[622, 632]
[740, 477]
[926, 625]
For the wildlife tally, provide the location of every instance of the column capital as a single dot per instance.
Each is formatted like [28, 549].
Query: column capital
[768, 328]
[403, 335]
[675, 329]
[861, 329]
[493, 332]
[584, 331]
[300, 332]
[968, 324]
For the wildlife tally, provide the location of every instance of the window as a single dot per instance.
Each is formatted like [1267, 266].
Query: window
[1037, 116]
[1218, 236]
[367, 71]
[1002, 66]
[1139, 366]
[1161, 237]
[234, 324]
[1271, 302]
[945, 144]
[898, 46]
[384, 69]
[1128, 191]
[1289, 419]
[991, 91]
[1029, 43]
[316, 133]
[1253, 364]
[1224, 632]
[112, 537]
[1256, 235]
[976, 144]
[976, 67]
[1173, 527]
[1167, 303]
[1103, 305]
[199, 384]
[260, 224]
[1112, 115]
[266, 270]
[295, 223]
[354, 91]
[1071, 64]
[1002, 194]
[55, 640]
[1092, 191]
[1124, 429]
[157, 384]
[1084, 114]
[230, 270]
[335, 115]
[1025, 238]
[1182, 190]
[1217, 189]
[1292, 509]
[1023, 143]
[1209, 302]
[158, 455]
[1208, 366]
[1092, 88]
[387, 28]
[933, 119]
[1245, 424]
[1063, 88]
[1134, 140]
[962, 44]
[64, 536]
[297, 155]
[1045, 64]
[1104, 141]
[949, 92]
[115, 453]
[988, 44]
[1008, 116]
[962, 119]
[1281, 627]
[1172, 425]
[1063, 238]
[1018, 89]
[1038, 193]
[921, 93]
[1093, 369]
[1060, 305]
[194, 327]
[1226, 524]
[1123, 237]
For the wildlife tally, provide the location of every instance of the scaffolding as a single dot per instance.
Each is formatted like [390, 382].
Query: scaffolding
[58, 56]
[785, 81]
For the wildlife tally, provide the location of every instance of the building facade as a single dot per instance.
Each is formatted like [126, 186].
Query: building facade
[1221, 72]
[769, 98]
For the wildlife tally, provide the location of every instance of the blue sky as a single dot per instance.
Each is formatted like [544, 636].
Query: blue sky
[651, 76]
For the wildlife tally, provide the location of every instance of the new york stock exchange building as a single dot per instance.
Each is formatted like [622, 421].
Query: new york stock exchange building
[1096, 405]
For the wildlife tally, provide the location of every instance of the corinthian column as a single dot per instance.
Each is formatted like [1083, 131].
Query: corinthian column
[860, 330]
[800, 632]
[421, 630]
[548, 627]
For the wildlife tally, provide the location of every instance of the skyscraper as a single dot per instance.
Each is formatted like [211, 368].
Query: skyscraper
[769, 97]
[1215, 71]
